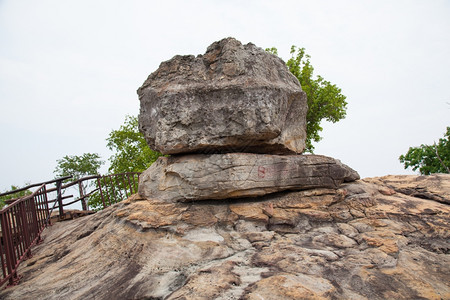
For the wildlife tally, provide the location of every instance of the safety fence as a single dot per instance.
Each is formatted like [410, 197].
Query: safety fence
[23, 220]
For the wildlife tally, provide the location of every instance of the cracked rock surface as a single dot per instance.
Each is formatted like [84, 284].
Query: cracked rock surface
[199, 177]
[234, 98]
[368, 239]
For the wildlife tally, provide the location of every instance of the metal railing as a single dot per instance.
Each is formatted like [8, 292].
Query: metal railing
[23, 220]
[116, 187]
[22, 223]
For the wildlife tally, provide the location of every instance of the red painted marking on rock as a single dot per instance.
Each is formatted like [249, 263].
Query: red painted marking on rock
[261, 172]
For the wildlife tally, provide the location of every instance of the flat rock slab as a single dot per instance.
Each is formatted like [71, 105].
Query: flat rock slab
[235, 175]
[234, 98]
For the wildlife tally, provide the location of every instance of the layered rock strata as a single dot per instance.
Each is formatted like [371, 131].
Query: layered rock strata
[234, 98]
[236, 175]
[364, 240]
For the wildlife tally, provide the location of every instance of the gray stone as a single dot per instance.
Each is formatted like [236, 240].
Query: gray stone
[235, 175]
[234, 98]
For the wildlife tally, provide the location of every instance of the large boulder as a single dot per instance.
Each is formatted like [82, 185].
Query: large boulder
[232, 175]
[234, 98]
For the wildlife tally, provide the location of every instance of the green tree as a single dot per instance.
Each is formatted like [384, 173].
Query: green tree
[13, 196]
[325, 100]
[131, 152]
[78, 166]
[429, 158]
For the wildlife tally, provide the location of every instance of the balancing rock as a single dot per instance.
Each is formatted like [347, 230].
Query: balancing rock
[234, 98]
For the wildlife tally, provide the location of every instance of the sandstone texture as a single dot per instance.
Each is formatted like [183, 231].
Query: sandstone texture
[234, 98]
[433, 187]
[235, 175]
[368, 239]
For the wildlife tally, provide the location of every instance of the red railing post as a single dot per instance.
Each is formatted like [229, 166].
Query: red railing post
[101, 192]
[9, 250]
[24, 226]
[129, 183]
[47, 210]
[113, 191]
[59, 199]
[81, 190]
[34, 221]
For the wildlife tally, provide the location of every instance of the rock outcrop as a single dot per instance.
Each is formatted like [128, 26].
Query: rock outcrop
[236, 175]
[369, 239]
[286, 226]
[226, 116]
[234, 98]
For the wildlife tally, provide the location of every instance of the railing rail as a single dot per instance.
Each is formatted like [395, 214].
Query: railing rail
[23, 220]
[22, 223]
[114, 188]
[35, 185]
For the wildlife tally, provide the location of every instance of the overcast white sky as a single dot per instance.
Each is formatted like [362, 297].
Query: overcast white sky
[69, 70]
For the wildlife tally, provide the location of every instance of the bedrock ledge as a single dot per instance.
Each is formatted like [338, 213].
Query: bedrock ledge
[199, 177]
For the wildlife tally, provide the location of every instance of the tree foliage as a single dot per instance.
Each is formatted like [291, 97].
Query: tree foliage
[131, 152]
[13, 196]
[78, 166]
[325, 100]
[429, 158]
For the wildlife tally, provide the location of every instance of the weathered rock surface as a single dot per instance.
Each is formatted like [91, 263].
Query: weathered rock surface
[433, 187]
[234, 98]
[365, 240]
[236, 175]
